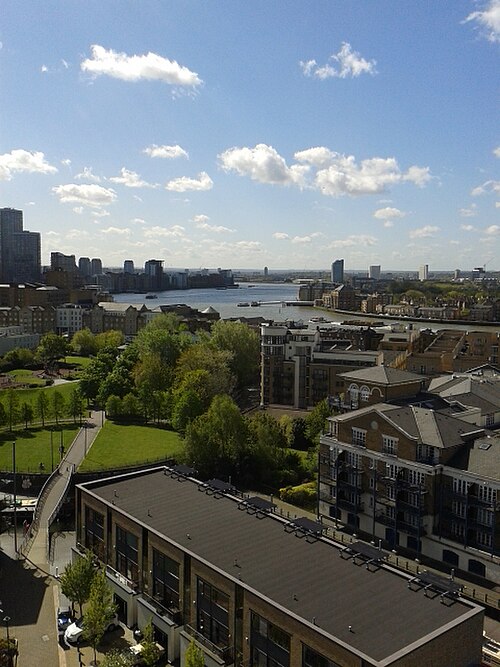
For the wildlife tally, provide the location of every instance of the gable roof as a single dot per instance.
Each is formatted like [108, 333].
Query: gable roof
[383, 375]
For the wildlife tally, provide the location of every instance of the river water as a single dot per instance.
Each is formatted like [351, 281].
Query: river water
[225, 302]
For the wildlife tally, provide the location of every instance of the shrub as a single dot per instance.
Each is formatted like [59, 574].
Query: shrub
[303, 495]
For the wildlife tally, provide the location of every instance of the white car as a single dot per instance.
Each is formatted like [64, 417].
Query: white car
[74, 632]
[137, 649]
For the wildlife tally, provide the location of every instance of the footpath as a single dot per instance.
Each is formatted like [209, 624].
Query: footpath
[28, 593]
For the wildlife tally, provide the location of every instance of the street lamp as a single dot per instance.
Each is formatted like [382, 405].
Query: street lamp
[15, 494]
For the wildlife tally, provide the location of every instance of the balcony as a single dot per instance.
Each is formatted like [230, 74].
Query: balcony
[129, 585]
[350, 506]
[171, 613]
[225, 653]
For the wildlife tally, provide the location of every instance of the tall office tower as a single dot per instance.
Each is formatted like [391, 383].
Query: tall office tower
[266, 272]
[128, 266]
[337, 274]
[20, 255]
[84, 267]
[423, 272]
[61, 262]
[153, 268]
[95, 267]
[374, 272]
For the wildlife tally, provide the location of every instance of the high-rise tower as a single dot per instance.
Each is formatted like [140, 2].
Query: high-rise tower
[20, 254]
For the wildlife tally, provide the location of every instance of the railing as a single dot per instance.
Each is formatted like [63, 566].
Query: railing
[173, 614]
[225, 653]
[124, 581]
[29, 538]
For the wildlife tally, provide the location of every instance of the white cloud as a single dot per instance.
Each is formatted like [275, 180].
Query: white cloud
[496, 151]
[166, 152]
[468, 228]
[388, 223]
[78, 210]
[44, 69]
[336, 174]
[215, 229]
[281, 236]
[91, 195]
[253, 246]
[66, 162]
[131, 180]
[470, 212]
[263, 164]
[150, 66]
[388, 213]
[492, 230]
[157, 232]
[88, 175]
[200, 218]
[64, 63]
[185, 184]
[346, 64]
[19, 160]
[120, 231]
[301, 239]
[138, 221]
[424, 232]
[488, 20]
[363, 240]
[487, 186]
[100, 214]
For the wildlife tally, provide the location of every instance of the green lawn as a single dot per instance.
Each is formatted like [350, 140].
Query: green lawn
[29, 395]
[83, 362]
[120, 445]
[33, 447]
[24, 375]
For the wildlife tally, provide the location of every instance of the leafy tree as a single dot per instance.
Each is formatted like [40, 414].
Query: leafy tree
[194, 655]
[19, 357]
[42, 406]
[84, 343]
[75, 406]
[216, 442]
[95, 374]
[119, 382]
[110, 340]
[58, 405]
[12, 407]
[244, 345]
[117, 658]
[217, 363]
[150, 653]
[114, 406]
[316, 420]
[295, 430]
[77, 578]
[99, 612]
[3, 415]
[187, 405]
[27, 413]
[51, 348]
[131, 406]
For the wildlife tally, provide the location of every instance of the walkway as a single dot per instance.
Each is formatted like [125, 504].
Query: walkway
[27, 587]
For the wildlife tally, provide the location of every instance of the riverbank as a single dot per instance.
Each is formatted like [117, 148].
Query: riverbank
[398, 318]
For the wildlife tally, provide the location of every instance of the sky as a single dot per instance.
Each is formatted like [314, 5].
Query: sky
[236, 134]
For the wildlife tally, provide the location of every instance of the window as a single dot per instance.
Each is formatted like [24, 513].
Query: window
[127, 554]
[458, 530]
[364, 394]
[359, 437]
[165, 580]
[312, 659]
[458, 508]
[392, 471]
[460, 486]
[212, 613]
[490, 420]
[484, 516]
[94, 532]
[269, 645]
[483, 538]
[415, 477]
[487, 494]
[390, 445]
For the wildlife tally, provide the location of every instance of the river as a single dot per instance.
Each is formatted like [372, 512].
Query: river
[225, 302]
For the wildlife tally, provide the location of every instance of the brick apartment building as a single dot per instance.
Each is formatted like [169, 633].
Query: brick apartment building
[253, 589]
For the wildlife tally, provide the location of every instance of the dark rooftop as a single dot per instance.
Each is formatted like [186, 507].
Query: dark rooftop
[306, 578]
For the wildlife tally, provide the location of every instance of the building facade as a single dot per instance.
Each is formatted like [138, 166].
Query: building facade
[20, 252]
[206, 564]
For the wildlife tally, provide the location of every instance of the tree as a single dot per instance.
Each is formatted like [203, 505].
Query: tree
[316, 420]
[187, 405]
[75, 406]
[95, 374]
[110, 340]
[131, 406]
[27, 413]
[150, 653]
[194, 655]
[84, 343]
[42, 406]
[217, 363]
[51, 348]
[3, 415]
[216, 442]
[77, 578]
[19, 357]
[12, 407]
[58, 405]
[99, 612]
[244, 345]
[114, 406]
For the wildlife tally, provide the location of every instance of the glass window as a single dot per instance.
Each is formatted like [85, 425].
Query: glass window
[212, 613]
[390, 445]
[94, 532]
[127, 554]
[270, 645]
[359, 437]
[312, 659]
[165, 580]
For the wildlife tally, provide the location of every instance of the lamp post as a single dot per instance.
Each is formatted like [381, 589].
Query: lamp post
[15, 494]
[51, 450]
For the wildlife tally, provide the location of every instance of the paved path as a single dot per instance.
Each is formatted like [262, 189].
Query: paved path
[26, 586]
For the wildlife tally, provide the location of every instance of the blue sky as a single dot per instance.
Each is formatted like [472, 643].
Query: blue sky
[250, 134]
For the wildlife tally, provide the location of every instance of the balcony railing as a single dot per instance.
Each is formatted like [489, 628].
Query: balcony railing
[121, 578]
[225, 653]
[173, 614]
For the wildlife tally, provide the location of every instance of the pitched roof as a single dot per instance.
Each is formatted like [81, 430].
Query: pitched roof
[383, 375]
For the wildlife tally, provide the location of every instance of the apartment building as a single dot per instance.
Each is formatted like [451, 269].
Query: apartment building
[253, 589]
[423, 480]
[301, 366]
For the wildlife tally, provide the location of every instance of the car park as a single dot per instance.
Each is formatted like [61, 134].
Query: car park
[74, 632]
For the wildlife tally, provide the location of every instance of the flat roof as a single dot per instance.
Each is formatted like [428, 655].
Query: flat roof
[373, 613]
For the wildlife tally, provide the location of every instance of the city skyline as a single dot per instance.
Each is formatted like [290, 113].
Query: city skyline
[223, 134]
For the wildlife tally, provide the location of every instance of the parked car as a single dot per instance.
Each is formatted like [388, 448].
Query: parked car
[74, 632]
[137, 649]
[64, 620]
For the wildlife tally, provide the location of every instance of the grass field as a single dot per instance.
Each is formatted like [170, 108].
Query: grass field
[29, 395]
[120, 445]
[33, 447]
